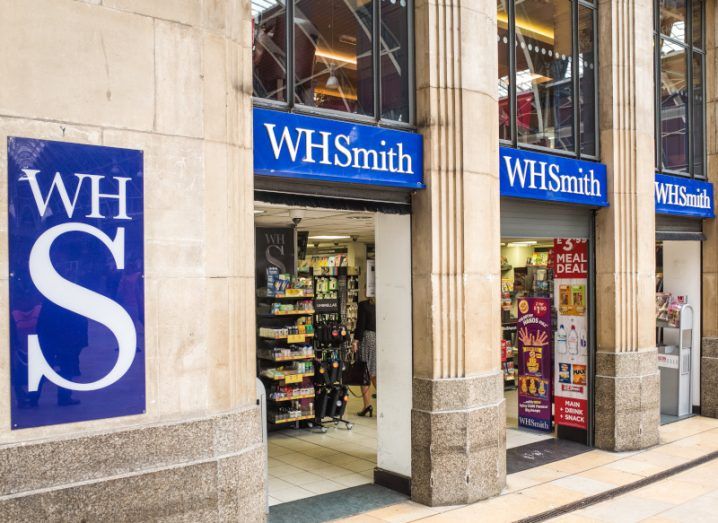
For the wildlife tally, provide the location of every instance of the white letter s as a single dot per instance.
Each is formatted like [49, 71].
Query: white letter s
[82, 301]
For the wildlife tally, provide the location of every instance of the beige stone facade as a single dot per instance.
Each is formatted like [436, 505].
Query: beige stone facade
[709, 347]
[627, 410]
[174, 79]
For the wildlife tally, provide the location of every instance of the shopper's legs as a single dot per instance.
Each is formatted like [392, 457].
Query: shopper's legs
[366, 394]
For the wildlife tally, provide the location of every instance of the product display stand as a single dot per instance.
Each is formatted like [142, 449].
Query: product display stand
[509, 354]
[285, 355]
[331, 346]
[674, 362]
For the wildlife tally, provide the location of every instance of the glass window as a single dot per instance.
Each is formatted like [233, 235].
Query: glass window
[674, 110]
[698, 123]
[680, 90]
[673, 19]
[394, 52]
[269, 56]
[587, 81]
[333, 57]
[544, 86]
[502, 38]
[352, 56]
[547, 78]
[697, 21]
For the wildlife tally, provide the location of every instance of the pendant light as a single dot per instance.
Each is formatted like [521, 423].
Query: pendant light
[332, 81]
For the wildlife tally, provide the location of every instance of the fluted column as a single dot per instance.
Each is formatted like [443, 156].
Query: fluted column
[709, 346]
[458, 416]
[627, 393]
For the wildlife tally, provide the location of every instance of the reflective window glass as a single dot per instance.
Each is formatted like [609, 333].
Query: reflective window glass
[697, 135]
[544, 73]
[504, 78]
[394, 48]
[587, 81]
[269, 57]
[674, 110]
[673, 19]
[333, 59]
[697, 20]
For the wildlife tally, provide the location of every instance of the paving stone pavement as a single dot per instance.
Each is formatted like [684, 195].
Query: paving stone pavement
[691, 495]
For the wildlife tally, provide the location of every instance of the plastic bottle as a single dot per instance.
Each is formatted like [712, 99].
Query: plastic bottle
[573, 341]
[561, 340]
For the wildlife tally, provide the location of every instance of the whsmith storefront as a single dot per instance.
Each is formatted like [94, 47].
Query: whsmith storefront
[267, 251]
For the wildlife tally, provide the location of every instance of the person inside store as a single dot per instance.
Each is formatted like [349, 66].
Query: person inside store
[365, 343]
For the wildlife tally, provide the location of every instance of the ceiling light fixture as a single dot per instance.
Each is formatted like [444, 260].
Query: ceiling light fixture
[522, 244]
[329, 237]
[332, 81]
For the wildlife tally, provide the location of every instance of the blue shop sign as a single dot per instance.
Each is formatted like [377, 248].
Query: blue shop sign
[76, 260]
[684, 197]
[537, 176]
[297, 146]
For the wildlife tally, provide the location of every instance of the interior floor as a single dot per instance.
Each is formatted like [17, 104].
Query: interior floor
[305, 462]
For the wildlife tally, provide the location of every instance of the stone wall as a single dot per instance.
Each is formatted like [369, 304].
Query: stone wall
[458, 428]
[709, 310]
[172, 78]
[626, 385]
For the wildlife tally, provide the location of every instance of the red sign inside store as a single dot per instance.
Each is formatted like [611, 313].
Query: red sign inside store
[570, 258]
[571, 412]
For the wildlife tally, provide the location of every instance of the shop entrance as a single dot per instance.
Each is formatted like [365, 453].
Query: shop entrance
[333, 288]
[547, 323]
[678, 326]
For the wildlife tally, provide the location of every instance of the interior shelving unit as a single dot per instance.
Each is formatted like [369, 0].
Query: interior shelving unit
[284, 361]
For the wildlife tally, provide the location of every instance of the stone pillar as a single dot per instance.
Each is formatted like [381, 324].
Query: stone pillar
[174, 79]
[709, 347]
[458, 416]
[627, 380]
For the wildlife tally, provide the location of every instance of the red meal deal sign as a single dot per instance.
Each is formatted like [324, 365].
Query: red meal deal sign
[570, 258]
[571, 412]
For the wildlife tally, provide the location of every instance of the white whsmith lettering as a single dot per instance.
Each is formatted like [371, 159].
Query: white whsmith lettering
[546, 177]
[674, 194]
[326, 149]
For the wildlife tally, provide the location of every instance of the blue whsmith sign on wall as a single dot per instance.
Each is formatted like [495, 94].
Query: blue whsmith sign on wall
[76, 243]
[296, 146]
[528, 174]
[683, 197]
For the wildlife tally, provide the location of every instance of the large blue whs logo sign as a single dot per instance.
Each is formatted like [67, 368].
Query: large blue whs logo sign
[683, 197]
[76, 244]
[527, 174]
[297, 146]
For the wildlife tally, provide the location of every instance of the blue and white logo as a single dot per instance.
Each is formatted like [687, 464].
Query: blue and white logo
[683, 197]
[527, 174]
[297, 146]
[76, 242]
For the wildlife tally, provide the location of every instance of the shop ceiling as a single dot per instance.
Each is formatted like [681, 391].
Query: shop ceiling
[319, 222]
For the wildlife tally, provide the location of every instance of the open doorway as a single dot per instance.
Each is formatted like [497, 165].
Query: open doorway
[546, 342]
[323, 304]
[678, 326]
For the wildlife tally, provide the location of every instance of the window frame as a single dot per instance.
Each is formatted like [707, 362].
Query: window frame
[575, 82]
[289, 105]
[690, 50]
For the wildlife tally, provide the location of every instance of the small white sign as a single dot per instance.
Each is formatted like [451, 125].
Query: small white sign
[668, 361]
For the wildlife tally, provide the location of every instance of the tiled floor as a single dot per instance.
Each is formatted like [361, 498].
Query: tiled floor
[304, 463]
[689, 496]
